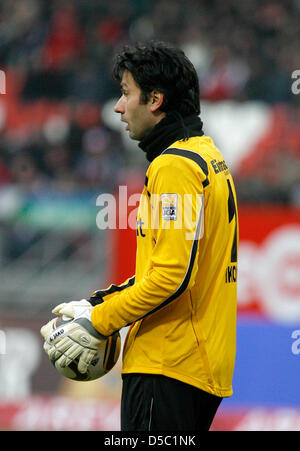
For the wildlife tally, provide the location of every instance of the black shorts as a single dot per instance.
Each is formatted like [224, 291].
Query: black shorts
[159, 403]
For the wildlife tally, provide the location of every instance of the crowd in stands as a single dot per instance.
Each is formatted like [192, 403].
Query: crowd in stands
[57, 57]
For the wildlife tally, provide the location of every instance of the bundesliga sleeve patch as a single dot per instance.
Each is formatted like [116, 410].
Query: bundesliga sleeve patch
[169, 206]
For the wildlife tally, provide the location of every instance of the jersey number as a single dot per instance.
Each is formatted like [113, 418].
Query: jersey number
[232, 210]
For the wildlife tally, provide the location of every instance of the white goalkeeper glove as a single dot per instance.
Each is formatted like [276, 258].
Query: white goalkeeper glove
[76, 338]
[74, 309]
[67, 310]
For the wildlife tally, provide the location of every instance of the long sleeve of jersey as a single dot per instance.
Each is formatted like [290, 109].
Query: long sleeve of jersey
[169, 227]
[105, 294]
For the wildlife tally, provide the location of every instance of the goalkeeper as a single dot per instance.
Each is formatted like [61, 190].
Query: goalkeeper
[179, 352]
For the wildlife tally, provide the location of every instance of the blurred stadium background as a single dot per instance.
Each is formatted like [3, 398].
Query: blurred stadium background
[61, 147]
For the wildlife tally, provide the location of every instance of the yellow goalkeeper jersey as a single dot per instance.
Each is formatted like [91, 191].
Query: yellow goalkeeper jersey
[181, 303]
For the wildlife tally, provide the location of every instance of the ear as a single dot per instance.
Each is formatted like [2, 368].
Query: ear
[156, 100]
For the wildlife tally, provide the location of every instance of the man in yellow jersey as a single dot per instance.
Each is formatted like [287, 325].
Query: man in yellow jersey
[179, 352]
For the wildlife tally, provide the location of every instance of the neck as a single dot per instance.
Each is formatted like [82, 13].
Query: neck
[173, 127]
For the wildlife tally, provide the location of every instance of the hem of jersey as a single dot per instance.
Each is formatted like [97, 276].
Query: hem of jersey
[217, 391]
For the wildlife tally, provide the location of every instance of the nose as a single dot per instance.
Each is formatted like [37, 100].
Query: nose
[119, 106]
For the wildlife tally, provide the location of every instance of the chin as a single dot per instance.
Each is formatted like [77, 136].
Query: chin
[134, 136]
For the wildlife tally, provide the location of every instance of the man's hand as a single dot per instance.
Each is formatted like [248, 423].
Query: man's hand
[74, 338]
[67, 310]
[74, 309]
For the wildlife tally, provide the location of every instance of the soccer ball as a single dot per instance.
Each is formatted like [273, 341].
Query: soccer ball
[105, 359]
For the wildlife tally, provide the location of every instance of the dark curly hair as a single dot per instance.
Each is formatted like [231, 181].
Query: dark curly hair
[159, 65]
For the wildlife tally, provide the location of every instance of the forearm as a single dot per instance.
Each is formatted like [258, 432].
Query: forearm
[142, 299]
